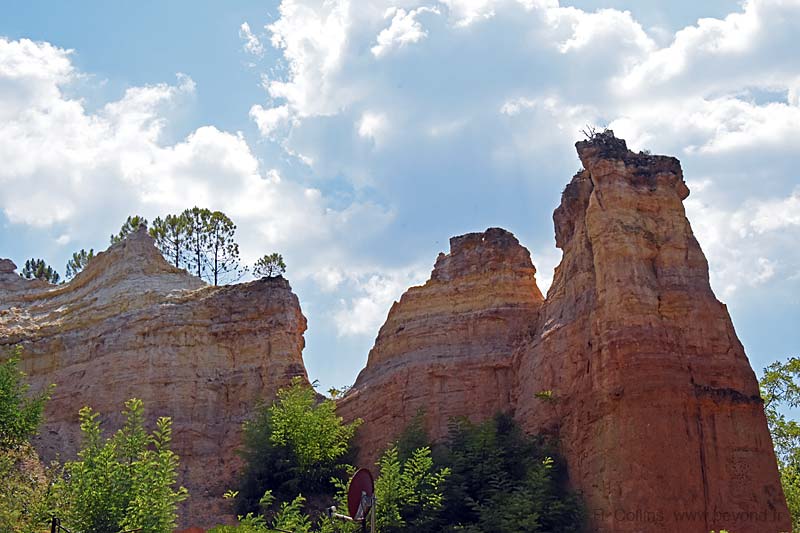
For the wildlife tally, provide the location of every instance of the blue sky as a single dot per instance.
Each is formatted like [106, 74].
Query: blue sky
[356, 137]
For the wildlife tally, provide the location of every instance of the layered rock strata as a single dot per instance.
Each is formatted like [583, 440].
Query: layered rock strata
[646, 384]
[445, 347]
[131, 325]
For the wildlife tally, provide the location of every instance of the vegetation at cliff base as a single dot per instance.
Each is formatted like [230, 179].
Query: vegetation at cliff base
[20, 413]
[126, 481]
[24, 482]
[123, 482]
[780, 390]
[487, 477]
[294, 446]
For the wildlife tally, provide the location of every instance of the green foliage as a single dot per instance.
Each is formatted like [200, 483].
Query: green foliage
[38, 269]
[78, 262]
[123, 482]
[222, 254]
[20, 413]
[26, 501]
[24, 495]
[296, 445]
[505, 481]
[202, 241]
[308, 427]
[270, 266]
[131, 225]
[196, 238]
[170, 234]
[780, 389]
[409, 492]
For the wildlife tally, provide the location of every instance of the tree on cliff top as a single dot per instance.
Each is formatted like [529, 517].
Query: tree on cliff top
[78, 262]
[222, 252]
[38, 269]
[131, 225]
[170, 234]
[202, 241]
[269, 266]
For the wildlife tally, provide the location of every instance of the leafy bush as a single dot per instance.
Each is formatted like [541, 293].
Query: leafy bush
[124, 482]
[20, 414]
[780, 390]
[504, 481]
[409, 492]
[296, 445]
[24, 483]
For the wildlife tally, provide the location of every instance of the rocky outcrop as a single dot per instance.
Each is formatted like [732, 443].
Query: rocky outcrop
[645, 382]
[131, 325]
[445, 347]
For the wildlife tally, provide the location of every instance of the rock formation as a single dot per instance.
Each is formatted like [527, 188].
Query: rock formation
[131, 325]
[649, 390]
[445, 347]
[647, 386]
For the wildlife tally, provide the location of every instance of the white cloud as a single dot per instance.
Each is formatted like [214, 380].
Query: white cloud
[81, 173]
[252, 45]
[772, 215]
[313, 37]
[748, 245]
[364, 313]
[721, 95]
[404, 29]
[373, 125]
[271, 119]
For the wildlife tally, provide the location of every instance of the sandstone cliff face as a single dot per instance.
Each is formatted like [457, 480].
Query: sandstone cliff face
[131, 325]
[445, 346]
[654, 401]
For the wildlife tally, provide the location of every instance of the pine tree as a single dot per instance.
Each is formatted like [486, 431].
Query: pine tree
[131, 225]
[170, 236]
[222, 256]
[78, 262]
[38, 269]
[270, 266]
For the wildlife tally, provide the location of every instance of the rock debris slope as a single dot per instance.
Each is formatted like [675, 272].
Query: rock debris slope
[631, 360]
[131, 325]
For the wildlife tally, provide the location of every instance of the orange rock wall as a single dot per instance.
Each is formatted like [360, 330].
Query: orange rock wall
[444, 347]
[131, 325]
[653, 399]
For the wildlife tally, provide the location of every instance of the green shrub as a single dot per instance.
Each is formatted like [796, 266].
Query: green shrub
[123, 482]
[20, 414]
[505, 481]
[295, 445]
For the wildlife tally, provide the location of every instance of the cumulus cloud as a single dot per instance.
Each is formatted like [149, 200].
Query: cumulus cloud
[365, 311]
[271, 119]
[720, 94]
[403, 30]
[64, 162]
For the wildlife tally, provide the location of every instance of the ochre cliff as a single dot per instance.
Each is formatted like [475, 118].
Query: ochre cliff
[445, 346]
[131, 325]
[651, 395]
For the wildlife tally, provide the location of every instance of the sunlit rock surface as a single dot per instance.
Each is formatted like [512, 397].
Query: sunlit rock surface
[131, 325]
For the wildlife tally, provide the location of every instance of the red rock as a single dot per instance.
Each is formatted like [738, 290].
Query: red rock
[445, 346]
[131, 325]
[653, 399]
